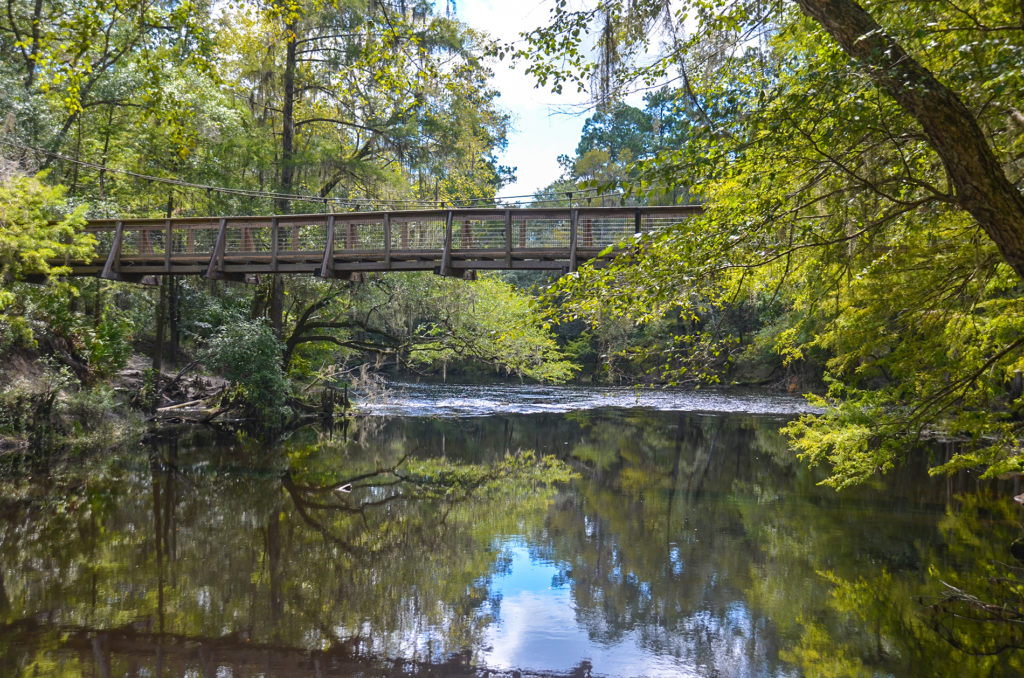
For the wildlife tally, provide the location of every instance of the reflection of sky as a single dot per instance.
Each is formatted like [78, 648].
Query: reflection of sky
[537, 628]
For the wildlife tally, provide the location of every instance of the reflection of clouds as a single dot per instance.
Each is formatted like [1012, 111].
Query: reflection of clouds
[538, 630]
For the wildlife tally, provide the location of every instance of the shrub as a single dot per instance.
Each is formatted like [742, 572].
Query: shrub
[247, 354]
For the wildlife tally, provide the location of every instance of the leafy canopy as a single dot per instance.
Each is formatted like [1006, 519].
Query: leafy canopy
[822, 192]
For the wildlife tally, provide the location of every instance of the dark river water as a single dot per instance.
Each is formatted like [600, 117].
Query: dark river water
[506, 531]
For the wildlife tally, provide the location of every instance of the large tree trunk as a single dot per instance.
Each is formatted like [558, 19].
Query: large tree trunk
[980, 184]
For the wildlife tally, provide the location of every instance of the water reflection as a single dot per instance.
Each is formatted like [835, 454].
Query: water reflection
[687, 545]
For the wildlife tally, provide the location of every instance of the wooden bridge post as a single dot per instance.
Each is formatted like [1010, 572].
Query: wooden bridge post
[168, 245]
[387, 241]
[327, 266]
[508, 238]
[574, 222]
[275, 242]
[446, 255]
[112, 269]
[637, 220]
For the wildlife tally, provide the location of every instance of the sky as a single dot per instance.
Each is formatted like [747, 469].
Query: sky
[541, 128]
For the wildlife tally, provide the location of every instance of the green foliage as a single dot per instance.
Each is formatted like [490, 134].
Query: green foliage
[34, 230]
[108, 346]
[249, 355]
[51, 410]
[825, 202]
[491, 322]
[423, 322]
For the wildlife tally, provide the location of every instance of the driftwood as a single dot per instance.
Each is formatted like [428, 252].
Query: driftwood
[180, 405]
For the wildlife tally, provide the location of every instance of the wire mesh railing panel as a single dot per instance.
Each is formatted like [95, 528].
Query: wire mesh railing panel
[104, 241]
[194, 240]
[651, 222]
[604, 232]
[417, 234]
[248, 237]
[304, 236]
[152, 241]
[478, 234]
[359, 236]
[544, 233]
[138, 240]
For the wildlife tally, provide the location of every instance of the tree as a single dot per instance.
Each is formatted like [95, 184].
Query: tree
[67, 54]
[249, 355]
[35, 228]
[857, 192]
[425, 323]
[980, 184]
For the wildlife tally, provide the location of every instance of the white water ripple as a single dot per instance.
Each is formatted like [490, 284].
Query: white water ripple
[461, 400]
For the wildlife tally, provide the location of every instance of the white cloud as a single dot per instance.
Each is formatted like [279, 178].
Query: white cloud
[542, 130]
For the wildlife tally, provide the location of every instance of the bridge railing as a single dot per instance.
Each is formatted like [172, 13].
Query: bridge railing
[151, 245]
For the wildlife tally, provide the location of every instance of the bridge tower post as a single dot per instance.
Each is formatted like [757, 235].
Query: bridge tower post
[276, 281]
[446, 254]
[574, 223]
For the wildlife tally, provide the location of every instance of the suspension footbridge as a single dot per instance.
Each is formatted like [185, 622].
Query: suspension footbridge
[450, 242]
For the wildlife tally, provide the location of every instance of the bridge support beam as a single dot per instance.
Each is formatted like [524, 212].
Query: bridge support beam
[214, 271]
[327, 265]
[112, 269]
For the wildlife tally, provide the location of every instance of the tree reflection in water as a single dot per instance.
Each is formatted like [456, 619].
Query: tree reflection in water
[694, 540]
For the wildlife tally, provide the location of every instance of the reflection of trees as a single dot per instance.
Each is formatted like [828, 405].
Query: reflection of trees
[710, 542]
[652, 546]
[878, 596]
[208, 550]
[136, 650]
[698, 537]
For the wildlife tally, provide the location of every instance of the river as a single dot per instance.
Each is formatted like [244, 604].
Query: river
[504, 531]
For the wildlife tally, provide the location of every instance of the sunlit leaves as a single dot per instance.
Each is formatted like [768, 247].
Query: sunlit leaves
[822, 194]
[35, 229]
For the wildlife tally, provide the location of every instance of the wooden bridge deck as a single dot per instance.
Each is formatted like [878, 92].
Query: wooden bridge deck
[448, 242]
